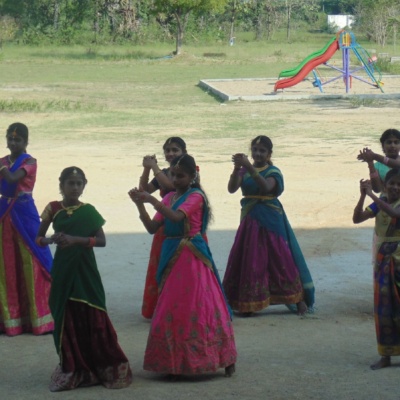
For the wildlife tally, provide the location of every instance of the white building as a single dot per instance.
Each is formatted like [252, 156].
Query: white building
[341, 21]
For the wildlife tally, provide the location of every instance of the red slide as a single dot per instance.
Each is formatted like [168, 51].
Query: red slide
[294, 80]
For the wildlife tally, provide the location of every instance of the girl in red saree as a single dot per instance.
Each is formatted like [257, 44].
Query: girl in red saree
[191, 330]
[85, 339]
[386, 211]
[173, 147]
[24, 266]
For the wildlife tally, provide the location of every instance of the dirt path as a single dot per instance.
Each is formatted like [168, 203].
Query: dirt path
[281, 356]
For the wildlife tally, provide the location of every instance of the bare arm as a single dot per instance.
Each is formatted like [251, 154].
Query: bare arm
[376, 182]
[367, 155]
[150, 164]
[12, 177]
[235, 181]
[386, 207]
[139, 197]
[41, 235]
[63, 240]
[359, 214]
[150, 224]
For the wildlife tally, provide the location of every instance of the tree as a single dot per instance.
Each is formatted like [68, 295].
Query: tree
[377, 18]
[181, 9]
[303, 6]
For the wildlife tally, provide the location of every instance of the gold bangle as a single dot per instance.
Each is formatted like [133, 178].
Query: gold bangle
[143, 178]
[39, 239]
[156, 173]
[92, 242]
[1, 168]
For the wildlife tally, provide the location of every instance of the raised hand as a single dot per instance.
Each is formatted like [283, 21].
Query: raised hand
[240, 160]
[149, 161]
[62, 240]
[365, 187]
[366, 155]
[139, 196]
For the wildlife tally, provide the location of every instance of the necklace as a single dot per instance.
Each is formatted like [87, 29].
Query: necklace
[70, 209]
[175, 199]
[259, 169]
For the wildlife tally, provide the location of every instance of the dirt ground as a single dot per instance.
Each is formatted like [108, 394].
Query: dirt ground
[325, 355]
[263, 89]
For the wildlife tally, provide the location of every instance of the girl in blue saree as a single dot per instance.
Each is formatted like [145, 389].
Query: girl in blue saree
[24, 264]
[265, 265]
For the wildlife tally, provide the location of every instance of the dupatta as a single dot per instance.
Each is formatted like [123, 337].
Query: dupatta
[269, 213]
[177, 238]
[75, 274]
[24, 215]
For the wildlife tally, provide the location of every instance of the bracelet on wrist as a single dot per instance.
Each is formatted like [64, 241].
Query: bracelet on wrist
[92, 242]
[385, 160]
[39, 241]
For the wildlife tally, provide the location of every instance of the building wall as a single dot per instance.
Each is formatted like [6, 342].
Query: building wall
[341, 21]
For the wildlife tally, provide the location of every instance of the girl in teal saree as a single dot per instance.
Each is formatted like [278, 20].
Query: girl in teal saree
[85, 339]
[265, 265]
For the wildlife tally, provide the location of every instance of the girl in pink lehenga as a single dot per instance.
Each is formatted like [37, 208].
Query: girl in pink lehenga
[191, 330]
[173, 147]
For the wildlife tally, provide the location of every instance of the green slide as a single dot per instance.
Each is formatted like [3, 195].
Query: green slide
[286, 73]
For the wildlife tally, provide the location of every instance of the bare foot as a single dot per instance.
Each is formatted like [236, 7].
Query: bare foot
[382, 363]
[301, 308]
[230, 370]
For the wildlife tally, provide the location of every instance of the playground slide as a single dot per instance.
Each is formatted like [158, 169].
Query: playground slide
[308, 67]
[286, 73]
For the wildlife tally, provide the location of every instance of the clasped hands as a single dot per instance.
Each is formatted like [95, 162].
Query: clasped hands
[240, 160]
[139, 196]
[149, 161]
[366, 155]
[365, 187]
[62, 240]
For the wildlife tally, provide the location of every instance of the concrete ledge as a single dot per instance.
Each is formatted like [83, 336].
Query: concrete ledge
[216, 87]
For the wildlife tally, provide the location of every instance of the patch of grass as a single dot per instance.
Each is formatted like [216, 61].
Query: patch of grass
[45, 106]
[360, 101]
[215, 55]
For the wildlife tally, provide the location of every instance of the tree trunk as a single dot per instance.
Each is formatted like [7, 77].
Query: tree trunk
[289, 9]
[181, 22]
[56, 18]
[96, 22]
[232, 21]
[258, 20]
